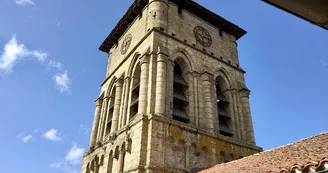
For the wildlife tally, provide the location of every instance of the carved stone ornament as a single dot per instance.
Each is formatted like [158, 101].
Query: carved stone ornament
[203, 36]
[126, 44]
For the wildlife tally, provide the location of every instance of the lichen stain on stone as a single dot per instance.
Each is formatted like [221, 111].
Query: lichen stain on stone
[175, 132]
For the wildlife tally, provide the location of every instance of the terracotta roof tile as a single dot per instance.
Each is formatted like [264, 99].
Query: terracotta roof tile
[307, 155]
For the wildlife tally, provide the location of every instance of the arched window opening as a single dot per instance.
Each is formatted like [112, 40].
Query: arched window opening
[110, 111]
[135, 92]
[222, 157]
[224, 116]
[122, 154]
[231, 157]
[180, 101]
[110, 162]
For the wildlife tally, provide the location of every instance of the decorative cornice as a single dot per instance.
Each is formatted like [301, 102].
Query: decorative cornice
[191, 6]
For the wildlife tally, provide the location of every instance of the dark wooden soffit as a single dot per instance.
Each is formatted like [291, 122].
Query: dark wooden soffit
[313, 11]
[134, 10]
[189, 5]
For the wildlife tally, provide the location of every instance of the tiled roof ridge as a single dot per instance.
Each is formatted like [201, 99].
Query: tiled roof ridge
[299, 141]
[312, 166]
[306, 155]
[283, 146]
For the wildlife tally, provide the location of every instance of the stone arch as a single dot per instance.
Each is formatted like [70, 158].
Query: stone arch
[183, 59]
[111, 86]
[225, 78]
[134, 62]
[225, 102]
[225, 81]
[133, 98]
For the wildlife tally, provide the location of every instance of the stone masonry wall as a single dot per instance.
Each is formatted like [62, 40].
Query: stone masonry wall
[152, 141]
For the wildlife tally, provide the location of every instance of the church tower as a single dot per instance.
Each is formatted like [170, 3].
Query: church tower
[174, 98]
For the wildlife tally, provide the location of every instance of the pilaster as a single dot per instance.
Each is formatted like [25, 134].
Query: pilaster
[207, 80]
[162, 57]
[117, 104]
[144, 63]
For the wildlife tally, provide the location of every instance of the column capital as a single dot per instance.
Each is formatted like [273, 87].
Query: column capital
[144, 59]
[105, 99]
[119, 82]
[127, 78]
[207, 76]
[163, 51]
[195, 74]
[99, 101]
[170, 62]
[244, 92]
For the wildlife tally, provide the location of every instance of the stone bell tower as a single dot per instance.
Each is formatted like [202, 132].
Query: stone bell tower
[174, 98]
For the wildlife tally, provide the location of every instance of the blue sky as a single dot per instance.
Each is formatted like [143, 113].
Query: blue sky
[51, 70]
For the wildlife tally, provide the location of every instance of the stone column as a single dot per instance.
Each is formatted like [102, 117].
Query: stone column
[102, 120]
[196, 106]
[93, 138]
[144, 63]
[208, 100]
[122, 103]
[244, 93]
[237, 114]
[187, 155]
[121, 161]
[126, 100]
[117, 104]
[161, 82]
[169, 88]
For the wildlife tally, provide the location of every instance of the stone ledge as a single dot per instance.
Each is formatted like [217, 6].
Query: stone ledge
[197, 130]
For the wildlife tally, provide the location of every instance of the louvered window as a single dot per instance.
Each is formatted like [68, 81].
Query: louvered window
[134, 100]
[135, 92]
[224, 117]
[110, 112]
[180, 101]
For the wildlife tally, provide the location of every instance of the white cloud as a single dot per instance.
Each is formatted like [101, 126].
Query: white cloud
[52, 135]
[63, 82]
[41, 56]
[27, 138]
[24, 2]
[14, 52]
[55, 64]
[75, 154]
[24, 137]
